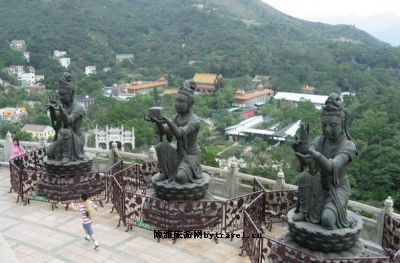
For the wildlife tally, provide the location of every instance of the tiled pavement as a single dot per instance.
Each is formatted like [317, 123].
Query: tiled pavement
[36, 234]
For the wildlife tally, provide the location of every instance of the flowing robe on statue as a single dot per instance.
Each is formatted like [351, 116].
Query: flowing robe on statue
[323, 189]
[71, 140]
[186, 155]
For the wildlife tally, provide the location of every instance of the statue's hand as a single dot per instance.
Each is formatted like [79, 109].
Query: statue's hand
[58, 103]
[166, 119]
[314, 154]
[304, 157]
[157, 121]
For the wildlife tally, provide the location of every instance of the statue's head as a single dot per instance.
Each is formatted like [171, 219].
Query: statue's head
[334, 118]
[185, 97]
[66, 88]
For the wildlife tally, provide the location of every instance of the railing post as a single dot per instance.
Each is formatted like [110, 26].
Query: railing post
[232, 180]
[114, 149]
[42, 142]
[152, 154]
[387, 209]
[7, 147]
[280, 181]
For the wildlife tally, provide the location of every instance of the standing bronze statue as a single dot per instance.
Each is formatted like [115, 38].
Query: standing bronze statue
[324, 191]
[180, 168]
[66, 118]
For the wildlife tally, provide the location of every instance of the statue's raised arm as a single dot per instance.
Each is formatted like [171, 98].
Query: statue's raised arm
[67, 113]
[323, 195]
[180, 166]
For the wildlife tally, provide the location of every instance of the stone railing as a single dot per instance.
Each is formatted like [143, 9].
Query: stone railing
[229, 183]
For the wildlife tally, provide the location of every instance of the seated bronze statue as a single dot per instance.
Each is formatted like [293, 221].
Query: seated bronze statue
[180, 165]
[66, 118]
[324, 190]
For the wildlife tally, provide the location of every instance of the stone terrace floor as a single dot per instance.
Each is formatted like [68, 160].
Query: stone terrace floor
[36, 234]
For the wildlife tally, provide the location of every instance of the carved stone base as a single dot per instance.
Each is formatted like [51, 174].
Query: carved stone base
[184, 215]
[316, 238]
[173, 191]
[66, 182]
[357, 250]
[56, 167]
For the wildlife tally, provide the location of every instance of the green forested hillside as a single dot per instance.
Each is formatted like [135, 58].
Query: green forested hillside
[234, 38]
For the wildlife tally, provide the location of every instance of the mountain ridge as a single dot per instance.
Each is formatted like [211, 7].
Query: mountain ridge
[234, 38]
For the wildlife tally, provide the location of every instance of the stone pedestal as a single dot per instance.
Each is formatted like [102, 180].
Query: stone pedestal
[66, 182]
[173, 191]
[182, 215]
[316, 238]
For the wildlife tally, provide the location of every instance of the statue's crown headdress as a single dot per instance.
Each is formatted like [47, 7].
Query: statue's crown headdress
[66, 82]
[188, 88]
[333, 106]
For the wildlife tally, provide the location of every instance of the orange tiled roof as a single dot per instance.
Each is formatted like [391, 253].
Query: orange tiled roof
[138, 85]
[205, 78]
[250, 95]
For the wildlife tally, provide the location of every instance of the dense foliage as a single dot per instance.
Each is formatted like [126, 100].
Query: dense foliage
[234, 38]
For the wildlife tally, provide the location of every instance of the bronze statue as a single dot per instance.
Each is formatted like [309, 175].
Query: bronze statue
[324, 190]
[180, 164]
[66, 118]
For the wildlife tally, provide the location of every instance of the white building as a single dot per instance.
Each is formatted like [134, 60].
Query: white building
[18, 45]
[27, 79]
[27, 55]
[317, 100]
[64, 62]
[39, 78]
[39, 131]
[15, 70]
[89, 70]
[30, 69]
[121, 57]
[59, 54]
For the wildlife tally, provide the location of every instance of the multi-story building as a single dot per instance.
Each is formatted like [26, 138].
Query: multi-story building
[14, 70]
[27, 56]
[64, 62]
[12, 115]
[252, 98]
[121, 57]
[18, 45]
[89, 70]
[27, 79]
[39, 131]
[36, 89]
[207, 83]
[59, 54]
[30, 69]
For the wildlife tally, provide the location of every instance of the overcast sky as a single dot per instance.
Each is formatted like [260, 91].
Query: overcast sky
[310, 9]
[381, 18]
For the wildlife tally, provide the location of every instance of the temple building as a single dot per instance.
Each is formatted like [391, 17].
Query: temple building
[252, 98]
[207, 83]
